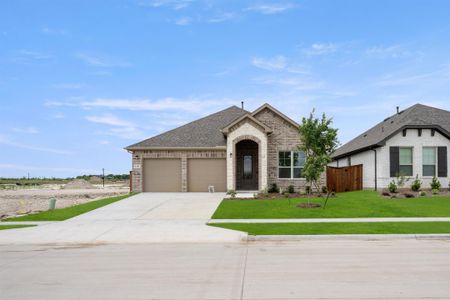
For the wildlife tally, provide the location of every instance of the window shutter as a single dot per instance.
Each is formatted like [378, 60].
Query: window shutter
[394, 161]
[442, 162]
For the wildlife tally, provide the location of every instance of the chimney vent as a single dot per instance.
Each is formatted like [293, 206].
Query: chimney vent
[398, 109]
[242, 104]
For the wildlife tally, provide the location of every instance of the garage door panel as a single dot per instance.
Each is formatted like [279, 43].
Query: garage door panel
[205, 172]
[162, 175]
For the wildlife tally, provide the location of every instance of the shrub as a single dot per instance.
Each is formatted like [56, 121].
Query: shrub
[416, 184]
[392, 187]
[435, 191]
[408, 195]
[422, 193]
[291, 189]
[274, 188]
[232, 193]
[435, 184]
[308, 189]
[324, 189]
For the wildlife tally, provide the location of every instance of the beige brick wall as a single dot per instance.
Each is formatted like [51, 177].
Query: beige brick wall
[285, 137]
[184, 155]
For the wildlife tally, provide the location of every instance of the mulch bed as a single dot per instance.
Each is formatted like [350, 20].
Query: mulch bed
[408, 193]
[309, 205]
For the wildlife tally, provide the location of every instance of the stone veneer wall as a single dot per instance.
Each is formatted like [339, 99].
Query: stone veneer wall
[184, 155]
[285, 137]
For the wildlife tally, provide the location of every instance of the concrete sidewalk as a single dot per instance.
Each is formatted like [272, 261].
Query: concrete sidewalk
[330, 220]
[143, 218]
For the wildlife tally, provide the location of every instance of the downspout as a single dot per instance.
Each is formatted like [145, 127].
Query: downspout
[376, 175]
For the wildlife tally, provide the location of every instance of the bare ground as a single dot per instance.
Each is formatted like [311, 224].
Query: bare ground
[26, 200]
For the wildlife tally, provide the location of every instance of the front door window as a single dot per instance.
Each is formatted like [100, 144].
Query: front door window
[248, 170]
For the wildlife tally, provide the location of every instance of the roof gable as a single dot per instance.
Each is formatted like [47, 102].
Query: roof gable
[245, 117]
[416, 116]
[277, 112]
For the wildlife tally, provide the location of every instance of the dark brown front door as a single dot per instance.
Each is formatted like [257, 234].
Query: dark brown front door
[247, 165]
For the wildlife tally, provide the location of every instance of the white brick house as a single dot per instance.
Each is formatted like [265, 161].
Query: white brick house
[412, 142]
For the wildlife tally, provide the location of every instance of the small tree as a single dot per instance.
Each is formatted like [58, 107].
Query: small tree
[319, 141]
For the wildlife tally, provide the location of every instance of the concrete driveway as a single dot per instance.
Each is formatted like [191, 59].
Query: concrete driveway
[144, 218]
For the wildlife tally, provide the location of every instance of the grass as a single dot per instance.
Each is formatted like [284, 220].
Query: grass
[339, 228]
[360, 204]
[68, 212]
[4, 227]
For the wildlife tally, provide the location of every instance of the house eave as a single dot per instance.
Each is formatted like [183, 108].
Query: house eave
[217, 148]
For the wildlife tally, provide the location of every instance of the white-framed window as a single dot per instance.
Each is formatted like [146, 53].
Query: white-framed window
[406, 161]
[429, 159]
[290, 164]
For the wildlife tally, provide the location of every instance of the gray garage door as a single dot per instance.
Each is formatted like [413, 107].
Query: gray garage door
[162, 175]
[205, 172]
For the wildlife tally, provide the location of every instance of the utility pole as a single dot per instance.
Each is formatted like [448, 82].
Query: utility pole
[103, 171]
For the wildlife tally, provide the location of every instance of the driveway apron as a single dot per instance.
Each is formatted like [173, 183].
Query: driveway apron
[143, 218]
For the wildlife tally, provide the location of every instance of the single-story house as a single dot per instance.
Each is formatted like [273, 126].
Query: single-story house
[413, 142]
[232, 149]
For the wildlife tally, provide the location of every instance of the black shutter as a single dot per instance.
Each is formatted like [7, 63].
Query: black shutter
[442, 161]
[394, 160]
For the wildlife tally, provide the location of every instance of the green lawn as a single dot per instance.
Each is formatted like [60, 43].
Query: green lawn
[339, 228]
[68, 212]
[345, 205]
[4, 227]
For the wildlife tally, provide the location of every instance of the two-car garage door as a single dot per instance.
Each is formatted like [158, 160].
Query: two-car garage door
[164, 175]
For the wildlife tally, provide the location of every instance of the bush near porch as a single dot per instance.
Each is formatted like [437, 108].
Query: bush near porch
[359, 204]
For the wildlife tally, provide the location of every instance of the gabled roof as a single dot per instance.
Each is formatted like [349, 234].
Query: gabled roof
[226, 129]
[416, 116]
[270, 107]
[202, 133]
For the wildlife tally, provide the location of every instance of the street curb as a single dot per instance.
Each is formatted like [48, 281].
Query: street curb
[338, 237]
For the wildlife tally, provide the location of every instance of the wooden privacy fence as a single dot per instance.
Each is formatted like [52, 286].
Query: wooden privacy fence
[344, 179]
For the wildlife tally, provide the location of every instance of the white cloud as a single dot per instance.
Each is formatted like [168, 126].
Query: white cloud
[394, 51]
[7, 142]
[295, 83]
[53, 31]
[28, 130]
[272, 64]
[189, 105]
[58, 116]
[183, 21]
[173, 4]
[109, 119]
[98, 61]
[223, 17]
[441, 75]
[104, 142]
[119, 127]
[270, 9]
[321, 49]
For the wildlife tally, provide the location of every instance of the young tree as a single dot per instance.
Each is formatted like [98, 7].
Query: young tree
[319, 141]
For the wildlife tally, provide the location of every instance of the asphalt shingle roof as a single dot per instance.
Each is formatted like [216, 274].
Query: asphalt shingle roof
[205, 132]
[419, 116]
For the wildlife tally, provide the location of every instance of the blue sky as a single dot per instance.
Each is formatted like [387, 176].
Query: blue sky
[80, 80]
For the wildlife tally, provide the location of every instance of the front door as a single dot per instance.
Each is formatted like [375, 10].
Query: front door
[247, 170]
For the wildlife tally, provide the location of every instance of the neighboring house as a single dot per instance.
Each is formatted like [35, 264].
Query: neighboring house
[232, 149]
[415, 141]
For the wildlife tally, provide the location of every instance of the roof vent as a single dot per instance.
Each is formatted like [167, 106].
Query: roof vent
[398, 109]
[242, 104]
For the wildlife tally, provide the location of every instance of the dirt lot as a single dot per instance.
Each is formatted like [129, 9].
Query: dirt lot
[25, 200]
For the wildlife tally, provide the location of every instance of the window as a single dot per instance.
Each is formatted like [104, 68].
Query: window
[429, 161]
[248, 172]
[290, 164]
[406, 161]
